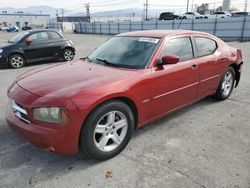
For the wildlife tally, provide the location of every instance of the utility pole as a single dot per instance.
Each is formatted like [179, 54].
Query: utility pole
[143, 14]
[246, 5]
[187, 5]
[193, 6]
[87, 6]
[146, 10]
[62, 13]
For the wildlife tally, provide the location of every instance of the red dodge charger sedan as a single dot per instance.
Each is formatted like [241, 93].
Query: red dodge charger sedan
[93, 105]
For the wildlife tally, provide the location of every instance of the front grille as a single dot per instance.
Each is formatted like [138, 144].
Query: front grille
[19, 111]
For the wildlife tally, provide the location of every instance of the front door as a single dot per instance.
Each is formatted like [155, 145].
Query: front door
[39, 49]
[57, 42]
[174, 85]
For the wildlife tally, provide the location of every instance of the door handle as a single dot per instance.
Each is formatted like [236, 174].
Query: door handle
[51, 44]
[194, 66]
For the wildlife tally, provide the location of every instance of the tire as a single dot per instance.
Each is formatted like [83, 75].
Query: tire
[16, 61]
[68, 55]
[100, 138]
[226, 84]
[185, 17]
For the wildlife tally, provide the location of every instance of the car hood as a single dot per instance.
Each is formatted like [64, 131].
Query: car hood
[3, 45]
[68, 79]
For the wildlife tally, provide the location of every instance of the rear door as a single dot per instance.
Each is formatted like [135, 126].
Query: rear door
[174, 85]
[207, 60]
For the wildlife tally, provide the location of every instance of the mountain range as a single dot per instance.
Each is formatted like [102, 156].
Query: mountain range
[53, 11]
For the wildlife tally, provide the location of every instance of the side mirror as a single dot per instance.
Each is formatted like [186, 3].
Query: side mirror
[168, 59]
[28, 41]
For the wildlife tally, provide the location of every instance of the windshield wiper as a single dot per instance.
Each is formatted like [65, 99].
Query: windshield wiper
[106, 62]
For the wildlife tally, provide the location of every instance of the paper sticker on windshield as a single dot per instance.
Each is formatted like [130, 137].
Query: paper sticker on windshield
[152, 40]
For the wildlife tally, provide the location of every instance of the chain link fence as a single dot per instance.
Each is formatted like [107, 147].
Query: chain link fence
[228, 29]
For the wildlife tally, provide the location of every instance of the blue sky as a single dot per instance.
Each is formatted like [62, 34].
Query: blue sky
[103, 5]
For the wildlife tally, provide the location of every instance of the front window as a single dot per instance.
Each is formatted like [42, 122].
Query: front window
[18, 37]
[39, 37]
[126, 52]
[55, 35]
[181, 47]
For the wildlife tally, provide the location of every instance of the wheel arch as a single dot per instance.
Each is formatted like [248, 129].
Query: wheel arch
[123, 99]
[70, 48]
[236, 68]
[17, 52]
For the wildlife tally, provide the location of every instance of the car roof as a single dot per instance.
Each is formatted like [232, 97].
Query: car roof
[160, 33]
[41, 30]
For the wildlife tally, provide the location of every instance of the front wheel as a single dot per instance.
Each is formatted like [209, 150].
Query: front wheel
[16, 61]
[226, 84]
[107, 130]
[68, 55]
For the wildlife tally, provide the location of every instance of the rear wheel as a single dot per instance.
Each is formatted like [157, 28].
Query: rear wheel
[16, 61]
[226, 84]
[68, 55]
[107, 130]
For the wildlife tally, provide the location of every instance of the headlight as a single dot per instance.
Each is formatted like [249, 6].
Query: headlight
[51, 115]
[1, 51]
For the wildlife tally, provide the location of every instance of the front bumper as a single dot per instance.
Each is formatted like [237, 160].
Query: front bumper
[61, 139]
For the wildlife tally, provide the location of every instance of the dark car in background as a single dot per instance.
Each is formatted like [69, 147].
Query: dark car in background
[35, 45]
[240, 13]
[168, 16]
[26, 27]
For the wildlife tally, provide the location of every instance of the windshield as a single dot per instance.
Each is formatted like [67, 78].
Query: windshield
[18, 37]
[126, 52]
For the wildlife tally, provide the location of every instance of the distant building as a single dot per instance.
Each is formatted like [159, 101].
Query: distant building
[73, 19]
[115, 18]
[203, 9]
[21, 19]
[226, 5]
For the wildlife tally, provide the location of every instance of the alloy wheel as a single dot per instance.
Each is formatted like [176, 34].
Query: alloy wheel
[110, 131]
[227, 83]
[68, 55]
[17, 61]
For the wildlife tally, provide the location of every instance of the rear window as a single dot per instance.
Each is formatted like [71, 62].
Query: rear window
[219, 13]
[205, 46]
